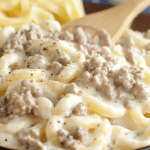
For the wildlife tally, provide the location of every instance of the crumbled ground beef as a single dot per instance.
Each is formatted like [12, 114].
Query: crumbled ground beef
[20, 103]
[101, 75]
[90, 39]
[108, 90]
[29, 140]
[92, 49]
[30, 85]
[107, 54]
[104, 38]
[131, 80]
[124, 78]
[141, 90]
[127, 42]
[122, 95]
[105, 51]
[128, 104]
[80, 109]
[19, 39]
[72, 140]
[66, 36]
[74, 89]
[15, 43]
[36, 62]
[127, 98]
[56, 68]
[131, 50]
[34, 32]
[92, 64]
[60, 57]
[127, 77]
[80, 36]
[86, 80]
[84, 51]
[138, 73]
[130, 56]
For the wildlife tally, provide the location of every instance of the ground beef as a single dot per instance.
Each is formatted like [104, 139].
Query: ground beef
[34, 32]
[128, 104]
[130, 50]
[80, 36]
[127, 42]
[97, 73]
[90, 39]
[16, 42]
[20, 103]
[56, 68]
[122, 95]
[138, 73]
[107, 54]
[86, 80]
[92, 64]
[92, 49]
[89, 50]
[130, 56]
[19, 39]
[80, 109]
[126, 98]
[105, 70]
[104, 38]
[84, 51]
[108, 90]
[124, 78]
[66, 36]
[79, 133]
[141, 90]
[72, 140]
[74, 89]
[36, 62]
[97, 81]
[30, 85]
[131, 80]
[105, 51]
[29, 140]
[102, 85]
[60, 57]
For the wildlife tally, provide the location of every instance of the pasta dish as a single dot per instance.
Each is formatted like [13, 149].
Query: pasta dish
[63, 91]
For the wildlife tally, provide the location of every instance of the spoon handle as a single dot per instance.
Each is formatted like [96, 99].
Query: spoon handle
[125, 14]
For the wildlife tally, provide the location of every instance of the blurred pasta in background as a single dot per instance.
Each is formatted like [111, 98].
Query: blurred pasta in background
[18, 12]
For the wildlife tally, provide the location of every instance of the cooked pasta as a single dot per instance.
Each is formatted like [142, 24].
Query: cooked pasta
[70, 92]
[17, 12]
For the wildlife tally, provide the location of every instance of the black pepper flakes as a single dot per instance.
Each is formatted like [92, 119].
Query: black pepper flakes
[44, 48]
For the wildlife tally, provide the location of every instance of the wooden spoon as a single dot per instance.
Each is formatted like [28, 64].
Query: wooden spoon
[115, 20]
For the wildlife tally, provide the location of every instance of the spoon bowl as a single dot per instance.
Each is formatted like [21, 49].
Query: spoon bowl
[115, 20]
